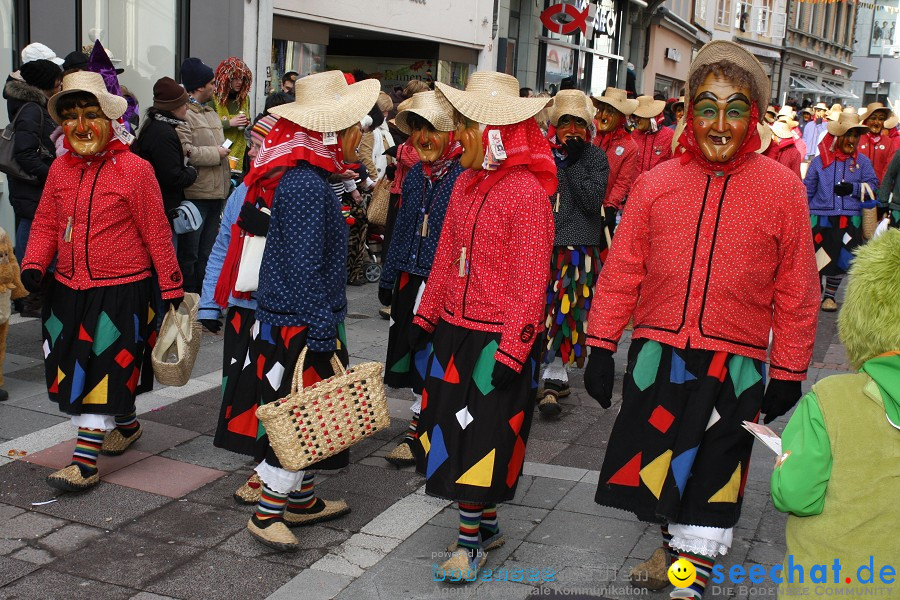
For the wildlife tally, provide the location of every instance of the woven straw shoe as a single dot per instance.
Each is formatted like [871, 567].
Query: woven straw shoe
[829, 305]
[70, 479]
[115, 443]
[491, 543]
[274, 535]
[652, 574]
[332, 510]
[401, 456]
[249, 492]
[459, 565]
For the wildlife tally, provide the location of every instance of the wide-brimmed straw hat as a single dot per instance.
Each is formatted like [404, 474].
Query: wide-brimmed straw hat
[87, 81]
[618, 99]
[648, 107]
[786, 113]
[872, 108]
[846, 120]
[571, 102]
[891, 121]
[834, 113]
[781, 130]
[820, 106]
[771, 109]
[429, 105]
[492, 98]
[723, 51]
[324, 102]
[677, 102]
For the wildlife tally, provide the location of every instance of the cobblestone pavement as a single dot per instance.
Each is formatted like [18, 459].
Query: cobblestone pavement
[162, 524]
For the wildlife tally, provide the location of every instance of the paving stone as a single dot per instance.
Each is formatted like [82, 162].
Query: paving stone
[149, 596]
[106, 506]
[164, 476]
[567, 428]
[29, 526]
[762, 553]
[398, 428]
[221, 491]
[158, 437]
[197, 525]
[243, 544]
[25, 339]
[215, 575]
[405, 516]
[60, 455]
[16, 422]
[185, 415]
[580, 499]
[582, 457]
[10, 546]
[549, 560]
[543, 451]
[47, 583]
[69, 538]
[312, 585]
[373, 481]
[12, 569]
[541, 492]
[36, 556]
[124, 559]
[200, 451]
[8, 512]
[570, 530]
[33, 397]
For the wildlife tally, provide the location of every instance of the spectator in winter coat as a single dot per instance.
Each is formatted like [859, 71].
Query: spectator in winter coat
[158, 142]
[33, 150]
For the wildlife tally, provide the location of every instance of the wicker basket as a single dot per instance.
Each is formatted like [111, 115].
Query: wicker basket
[178, 343]
[317, 422]
[869, 213]
[378, 206]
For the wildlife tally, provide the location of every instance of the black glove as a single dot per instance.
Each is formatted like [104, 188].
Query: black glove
[173, 303]
[843, 189]
[211, 325]
[385, 296]
[609, 218]
[253, 220]
[392, 152]
[599, 376]
[418, 338]
[575, 148]
[503, 376]
[390, 172]
[781, 396]
[31, 279]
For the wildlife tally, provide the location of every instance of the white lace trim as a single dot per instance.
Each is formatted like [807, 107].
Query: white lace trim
[94, 421]
[697, 539]
[279, 480]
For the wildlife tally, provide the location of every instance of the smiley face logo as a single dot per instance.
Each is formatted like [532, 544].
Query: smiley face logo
[682, 573]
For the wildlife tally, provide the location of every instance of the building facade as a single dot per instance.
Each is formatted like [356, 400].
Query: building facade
[877, 53]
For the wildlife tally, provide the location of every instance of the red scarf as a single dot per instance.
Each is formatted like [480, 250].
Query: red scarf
[113, 147]
[607, 140]
[829, 153]
[526, 145]
[285, 145]
[692, 151]
[439, 168]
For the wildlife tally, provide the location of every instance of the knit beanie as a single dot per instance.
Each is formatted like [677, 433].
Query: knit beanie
[168, 95]
[75, 60]
[41, 73]
[195, 74]
[262, 127]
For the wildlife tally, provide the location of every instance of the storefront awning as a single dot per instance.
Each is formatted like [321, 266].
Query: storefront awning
[839, 92]
[805, 86]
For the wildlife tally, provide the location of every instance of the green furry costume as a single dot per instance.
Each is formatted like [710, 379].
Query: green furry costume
[840, 475]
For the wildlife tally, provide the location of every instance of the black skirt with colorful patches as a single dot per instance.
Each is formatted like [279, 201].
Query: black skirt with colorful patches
[403, 367]
[97, 345]
[569, 294]
[835, 239]
[472, 436]
[678, 452]
[261, 360]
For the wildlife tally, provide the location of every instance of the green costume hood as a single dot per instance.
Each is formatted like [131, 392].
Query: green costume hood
[885, 370]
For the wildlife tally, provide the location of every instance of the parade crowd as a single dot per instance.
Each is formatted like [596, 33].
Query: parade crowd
[517, 238]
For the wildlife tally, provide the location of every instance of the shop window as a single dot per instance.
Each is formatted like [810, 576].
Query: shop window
[723, 12]
[763, 17]
[140, 37]
[303, 58]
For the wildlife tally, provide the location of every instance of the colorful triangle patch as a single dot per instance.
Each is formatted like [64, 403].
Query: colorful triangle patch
[105, 334]
[647, 364]
[438, 452]
[53, 326]
[245, 423]
[236, 321]
[483, 373]
[630, 474]
[83, 335]
[654, 474]
[743, 374]
[482, 473]
[729, 491]
[681, 467]
[515, 462]
[451, 375]
[402, 365]
[678, 372]
[77, 383]
[717, 366]
[98, 395]
[516, 422]
[425, 443]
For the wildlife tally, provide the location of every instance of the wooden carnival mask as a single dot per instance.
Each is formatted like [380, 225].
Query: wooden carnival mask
[86, 128]
[469, 135]
[608, 118]
[721, 117]
[570, 126]
[349, 140]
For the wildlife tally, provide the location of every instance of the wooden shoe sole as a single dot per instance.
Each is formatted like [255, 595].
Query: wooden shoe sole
[70, 479]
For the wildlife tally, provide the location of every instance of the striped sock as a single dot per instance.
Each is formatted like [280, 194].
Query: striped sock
[832, 282]
[469, 519]
[667, 539]
[305, 497]
[271, 504]
[703, 565]
[87, 447]
[411, 434]
[127, 424]
[489, 524]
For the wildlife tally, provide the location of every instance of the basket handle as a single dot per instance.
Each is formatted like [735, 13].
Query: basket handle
[177, 325]
[297, 382]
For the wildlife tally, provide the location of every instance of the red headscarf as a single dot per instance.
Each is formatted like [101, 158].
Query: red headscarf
[692, 151]
[439, 167]
[830, 153]
[525, 144]
[285, 145]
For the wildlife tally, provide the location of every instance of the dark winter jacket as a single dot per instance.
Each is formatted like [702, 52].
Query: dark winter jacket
[33, 150]
[578, 202]
[159, 145]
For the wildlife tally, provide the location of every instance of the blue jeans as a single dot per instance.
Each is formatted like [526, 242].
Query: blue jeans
[23, 230]
[194, 247]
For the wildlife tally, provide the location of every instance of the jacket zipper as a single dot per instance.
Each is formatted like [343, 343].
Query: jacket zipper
[87, 231]
[74, 215]
[470, 254]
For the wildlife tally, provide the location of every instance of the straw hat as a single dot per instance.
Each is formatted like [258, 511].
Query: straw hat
[429, 105]
[492, 98]
[781, 130]
[820, 106]
[572, 102]
[808, 111]
[86, 81]
[723, 51]
[871, 108]
[618, 99]
[771, 109]
[648, 107]
[680, 101]
[891, 122]
[786, 113]
[834, 113]
[846, 121]
[324, 102]
[764, 131]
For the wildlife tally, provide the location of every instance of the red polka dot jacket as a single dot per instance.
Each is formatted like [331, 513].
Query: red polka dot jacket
[500, 284]
[105, 223]
[622, 154]
[714, 262]
[652, 148]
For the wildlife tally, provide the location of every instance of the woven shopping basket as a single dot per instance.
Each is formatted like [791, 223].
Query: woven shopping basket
[317, 422]
[378, 206]
[178, 343]
[869, 212]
